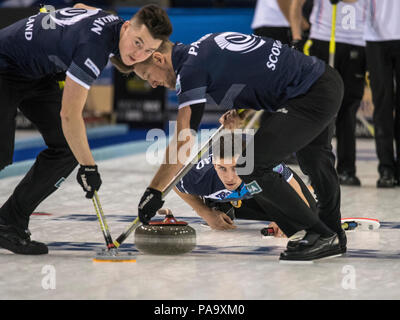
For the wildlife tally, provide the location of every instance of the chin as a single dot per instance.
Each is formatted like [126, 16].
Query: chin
[127, 62]
[230, 188]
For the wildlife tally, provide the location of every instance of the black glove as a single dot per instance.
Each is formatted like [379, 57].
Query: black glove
[150, 202]
[89, 178]
[334, 1]
[297, 44]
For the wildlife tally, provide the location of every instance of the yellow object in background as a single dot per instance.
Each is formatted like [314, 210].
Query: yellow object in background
[43, 9]
[307, 46]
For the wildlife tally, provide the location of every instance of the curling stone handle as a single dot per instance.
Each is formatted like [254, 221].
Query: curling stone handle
[165, 212]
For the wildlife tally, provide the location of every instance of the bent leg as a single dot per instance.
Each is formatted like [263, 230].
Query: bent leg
[52, 165]
[317, 161]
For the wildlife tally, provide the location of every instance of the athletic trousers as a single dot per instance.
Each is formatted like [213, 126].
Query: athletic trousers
[251, 210]
[304, 125]
[383, 59]
[40, 102]
[350, 62]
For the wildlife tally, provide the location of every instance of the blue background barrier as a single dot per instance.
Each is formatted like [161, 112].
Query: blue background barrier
[190, 25]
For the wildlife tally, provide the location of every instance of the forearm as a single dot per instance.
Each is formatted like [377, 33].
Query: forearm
[73, 126]
[296, 17]
[177, 152]
[75, 133]
[247, 113]
[284, 5]
[196, 203]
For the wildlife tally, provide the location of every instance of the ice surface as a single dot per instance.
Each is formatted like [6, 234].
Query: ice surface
[236, 264]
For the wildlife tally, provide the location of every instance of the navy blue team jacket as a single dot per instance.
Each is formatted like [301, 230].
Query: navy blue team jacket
[76, 41]
[233, 70]
[202, 180]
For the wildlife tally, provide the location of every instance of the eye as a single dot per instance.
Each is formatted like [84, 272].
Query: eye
[138, 44]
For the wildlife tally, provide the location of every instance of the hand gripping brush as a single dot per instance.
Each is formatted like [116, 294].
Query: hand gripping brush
[111, 253]
[185, 169]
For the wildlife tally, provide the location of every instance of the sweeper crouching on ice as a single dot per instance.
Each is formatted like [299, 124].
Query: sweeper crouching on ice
[217, 194]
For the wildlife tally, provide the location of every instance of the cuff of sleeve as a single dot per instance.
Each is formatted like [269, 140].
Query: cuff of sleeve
[78, 81]
[188, 103]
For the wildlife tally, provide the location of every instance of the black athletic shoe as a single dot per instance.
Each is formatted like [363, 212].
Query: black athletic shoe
[386, 180]
[20, 242]
[346, 179]
[317, 249]
[294, 240]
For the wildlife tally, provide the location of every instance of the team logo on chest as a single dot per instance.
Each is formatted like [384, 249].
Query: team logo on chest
[238, 42]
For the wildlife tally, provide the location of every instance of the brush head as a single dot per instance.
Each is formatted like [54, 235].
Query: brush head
[113, 255]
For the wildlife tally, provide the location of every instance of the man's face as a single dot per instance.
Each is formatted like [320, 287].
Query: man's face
[136, 43]
[157, 72]
[226, 172]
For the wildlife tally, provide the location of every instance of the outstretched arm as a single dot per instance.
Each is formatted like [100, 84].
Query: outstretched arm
[177, 152]
[217, 220]
[295, 19]
[73, 125]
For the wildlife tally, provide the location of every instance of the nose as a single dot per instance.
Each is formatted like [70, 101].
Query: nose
[153, 84]
[138, 54]
[230, 176]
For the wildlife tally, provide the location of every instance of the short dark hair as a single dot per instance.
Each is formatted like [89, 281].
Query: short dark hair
[155, 19]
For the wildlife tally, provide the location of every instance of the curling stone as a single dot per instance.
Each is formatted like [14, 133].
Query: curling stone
[165, 237]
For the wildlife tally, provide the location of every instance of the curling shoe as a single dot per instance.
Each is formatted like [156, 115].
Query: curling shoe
[346, 179]
[313, 247]
[18, 241]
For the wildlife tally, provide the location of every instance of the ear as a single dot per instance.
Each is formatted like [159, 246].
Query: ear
[158, 58]
[125, 26]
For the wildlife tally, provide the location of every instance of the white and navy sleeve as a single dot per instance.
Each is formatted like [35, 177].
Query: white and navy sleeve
[87, 64]
[191, 86]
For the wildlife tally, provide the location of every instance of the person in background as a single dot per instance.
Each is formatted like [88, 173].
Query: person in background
[349, 62]
[271, 19]
[382, 34]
